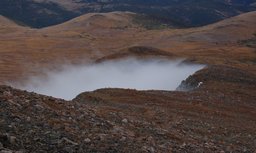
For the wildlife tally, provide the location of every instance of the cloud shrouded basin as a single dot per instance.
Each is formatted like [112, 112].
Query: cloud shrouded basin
[156, 74]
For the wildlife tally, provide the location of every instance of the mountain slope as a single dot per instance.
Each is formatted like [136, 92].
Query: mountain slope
[216, 114]
[34, 14]
[86, 39]
[185, 13]
[206, 119]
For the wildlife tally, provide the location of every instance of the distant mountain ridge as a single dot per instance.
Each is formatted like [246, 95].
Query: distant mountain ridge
[182, 13]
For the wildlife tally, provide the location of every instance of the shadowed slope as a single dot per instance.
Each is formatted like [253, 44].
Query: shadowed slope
[185, 13]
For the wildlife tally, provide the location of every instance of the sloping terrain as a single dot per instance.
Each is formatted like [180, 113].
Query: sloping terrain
[215, 114]
[95, 36]
[34, 14]
[185, 13]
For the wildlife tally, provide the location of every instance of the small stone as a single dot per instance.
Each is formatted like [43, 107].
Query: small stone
[125, 121]
[39, 107]
[87, 140]
[148, 149]
[183, 145]
[6, 151]
[165, 145]
[151, 149]
[130, 133]
[27, 101]
[7, 93]
[68, 141]
[144, 148]
[117, 129]
[28, 119]
[12, 139]
[150, 138]
[102, 137]
[123, 138]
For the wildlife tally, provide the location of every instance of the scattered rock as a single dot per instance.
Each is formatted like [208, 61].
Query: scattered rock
[6, 151]
[148, 149]
[12, 139]
[123, 138]
[39, 107]
[28, 119]
[7, 93]
[125, 121]
[168, 122]
[102, 137]
[87, 140]
[151, 149]
[68, 141]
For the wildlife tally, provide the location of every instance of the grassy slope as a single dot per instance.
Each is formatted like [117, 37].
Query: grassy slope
[94, 36]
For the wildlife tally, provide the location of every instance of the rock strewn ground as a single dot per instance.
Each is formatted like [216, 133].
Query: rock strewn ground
[217, 116]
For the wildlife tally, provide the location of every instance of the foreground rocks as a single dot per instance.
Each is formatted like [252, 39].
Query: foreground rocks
[218, 116]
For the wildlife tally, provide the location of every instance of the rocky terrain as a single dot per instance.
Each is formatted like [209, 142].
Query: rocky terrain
[180, 13]
[212, 110]
[216, 116]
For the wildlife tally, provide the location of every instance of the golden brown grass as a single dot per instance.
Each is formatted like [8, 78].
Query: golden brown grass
[94, 36]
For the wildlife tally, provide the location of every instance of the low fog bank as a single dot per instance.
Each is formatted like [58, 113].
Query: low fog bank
[157, 74]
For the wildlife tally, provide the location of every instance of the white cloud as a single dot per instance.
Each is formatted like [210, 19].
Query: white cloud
[157, 74]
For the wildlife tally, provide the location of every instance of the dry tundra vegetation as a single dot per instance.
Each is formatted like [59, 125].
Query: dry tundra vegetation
[216, 116]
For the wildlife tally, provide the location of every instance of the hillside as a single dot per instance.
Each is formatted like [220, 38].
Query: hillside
[87, 38]
[185, 13]
[7, 25]
[212, 110]
[211, 118]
